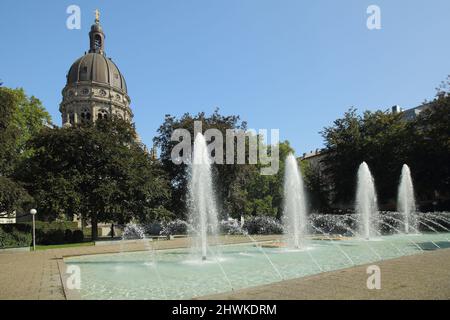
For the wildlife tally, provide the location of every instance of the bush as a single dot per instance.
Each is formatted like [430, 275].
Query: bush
[133, 231]
[77, 236]
[262, 225]
[231, 227]
[53, 236]
[68, 236]
[174, 227]
[49, 232]
[11, 237]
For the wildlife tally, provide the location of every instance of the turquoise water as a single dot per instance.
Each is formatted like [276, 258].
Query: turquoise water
[176, 274]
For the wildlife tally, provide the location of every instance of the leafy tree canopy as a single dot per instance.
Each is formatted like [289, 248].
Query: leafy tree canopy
[96, 170]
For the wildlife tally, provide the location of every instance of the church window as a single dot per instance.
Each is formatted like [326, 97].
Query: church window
[85, 116]
[102, 114]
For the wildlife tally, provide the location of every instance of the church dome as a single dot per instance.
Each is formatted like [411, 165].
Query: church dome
[95, 88]
[96, 67]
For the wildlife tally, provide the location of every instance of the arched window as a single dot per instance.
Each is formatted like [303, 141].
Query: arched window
[102, 114]
[85, 116]
[98, 42]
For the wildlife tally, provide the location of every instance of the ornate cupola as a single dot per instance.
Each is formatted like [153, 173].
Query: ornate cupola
[96, 36]
[95, 87]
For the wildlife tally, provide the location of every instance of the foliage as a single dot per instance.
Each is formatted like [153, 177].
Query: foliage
[262, 225]
[13, 197]
[175, 227]
[21, 117]
[77, 236]
[242, 188]
[14, 238]
[386, 141]
[429, 152]
[316, 185]
[98, 170]
[133, 231]
[178, 173]
[50, 232]
[231, 227]
[47, 233]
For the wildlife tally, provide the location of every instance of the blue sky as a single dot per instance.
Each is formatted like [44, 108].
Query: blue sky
[290, 64]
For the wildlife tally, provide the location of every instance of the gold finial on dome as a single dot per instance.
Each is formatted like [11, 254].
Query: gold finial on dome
[97, 16]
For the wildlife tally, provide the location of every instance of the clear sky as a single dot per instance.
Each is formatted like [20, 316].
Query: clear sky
[288, 64]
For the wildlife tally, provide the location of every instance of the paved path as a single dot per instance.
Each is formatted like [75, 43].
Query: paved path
[36, 275]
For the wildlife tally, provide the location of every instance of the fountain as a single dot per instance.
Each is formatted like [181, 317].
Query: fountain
[406, 203]
[294, 214]
[366, 202]
[202, 206]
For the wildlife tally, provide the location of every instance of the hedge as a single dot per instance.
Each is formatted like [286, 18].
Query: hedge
[14, 238]
[20, 234]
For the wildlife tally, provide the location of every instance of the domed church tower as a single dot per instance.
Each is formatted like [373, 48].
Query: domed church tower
[95, 87]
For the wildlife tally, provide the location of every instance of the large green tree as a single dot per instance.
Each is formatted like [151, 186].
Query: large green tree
[178, 173]
[96, 170]
[378, 138]
[429, 151]
[386, 141]
[21, 117]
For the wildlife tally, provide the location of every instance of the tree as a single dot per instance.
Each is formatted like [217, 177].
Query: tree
[256, 194]
[429, 152]
[379, 138]
[98, 170]
[317, 186]
[386, 141]
[226, 174]
[13, 198]
[20, 118]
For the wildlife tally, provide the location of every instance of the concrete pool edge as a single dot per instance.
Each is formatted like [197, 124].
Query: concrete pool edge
[70, 294]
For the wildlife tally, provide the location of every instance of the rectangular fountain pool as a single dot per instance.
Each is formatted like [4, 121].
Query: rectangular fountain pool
[176, 274]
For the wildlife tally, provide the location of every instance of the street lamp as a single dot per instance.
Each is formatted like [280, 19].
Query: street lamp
[33, 213]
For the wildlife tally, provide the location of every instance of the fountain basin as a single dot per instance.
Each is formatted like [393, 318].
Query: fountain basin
[167, 274]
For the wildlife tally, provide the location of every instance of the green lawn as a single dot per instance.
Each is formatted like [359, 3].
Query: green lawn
[67, 245]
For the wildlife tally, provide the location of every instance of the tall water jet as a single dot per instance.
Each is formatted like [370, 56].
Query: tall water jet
[406, 203]
[366, 202]
[202, 206]
[294, 211]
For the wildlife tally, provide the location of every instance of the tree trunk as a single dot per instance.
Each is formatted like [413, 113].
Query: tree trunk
[94, 223]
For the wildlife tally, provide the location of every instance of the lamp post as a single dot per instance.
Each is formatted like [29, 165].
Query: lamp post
[33, 213]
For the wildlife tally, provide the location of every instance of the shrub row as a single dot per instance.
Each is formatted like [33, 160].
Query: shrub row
[47, 233]
[14, 238]
[252, 225]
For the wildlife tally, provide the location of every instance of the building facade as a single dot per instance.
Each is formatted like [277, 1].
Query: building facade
[95, 87]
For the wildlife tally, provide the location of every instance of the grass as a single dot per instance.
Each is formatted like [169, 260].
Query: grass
[61, 246]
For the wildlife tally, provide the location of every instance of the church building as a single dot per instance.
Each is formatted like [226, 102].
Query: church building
[95, 87]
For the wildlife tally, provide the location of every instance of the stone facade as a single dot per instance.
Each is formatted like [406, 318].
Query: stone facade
[89, 101]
